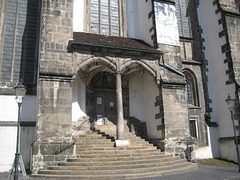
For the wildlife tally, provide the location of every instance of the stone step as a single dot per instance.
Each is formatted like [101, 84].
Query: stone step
[113, 133]
[97, 158]
[92, 146]
[92, 151]
[113, 148]
[75, 162]
[116, 166]
[129, 137]
[103, 148]
[114, 171]
[118, 155]
[130, 154]
[107, 141]
[91, 140]
[88, 158]
[118, 176]
[93, 143]
[86, 138]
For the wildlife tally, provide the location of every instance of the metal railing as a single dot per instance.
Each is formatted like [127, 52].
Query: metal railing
[63, 149]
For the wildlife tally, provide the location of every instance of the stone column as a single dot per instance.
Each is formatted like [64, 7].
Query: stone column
[120, 121]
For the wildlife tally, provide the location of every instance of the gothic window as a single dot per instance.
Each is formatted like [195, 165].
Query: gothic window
[104, 17]
[192, 90]
[184, 28]
[193, 127]
[183, 21]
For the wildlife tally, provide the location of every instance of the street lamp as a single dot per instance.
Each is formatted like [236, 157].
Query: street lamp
[20, 91]
[231, 103]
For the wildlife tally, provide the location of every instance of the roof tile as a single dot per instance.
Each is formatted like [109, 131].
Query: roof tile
[114, 41]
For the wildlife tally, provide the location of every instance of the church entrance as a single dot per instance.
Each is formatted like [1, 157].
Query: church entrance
[105, 107]
[101, 99]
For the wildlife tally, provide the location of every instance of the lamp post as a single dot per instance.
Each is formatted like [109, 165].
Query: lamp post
[20, 93]
[231, 103]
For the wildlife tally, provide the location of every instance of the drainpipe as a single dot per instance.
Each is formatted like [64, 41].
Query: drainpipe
[181, 74]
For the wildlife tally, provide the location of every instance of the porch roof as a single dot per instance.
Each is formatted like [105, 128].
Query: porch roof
[113, 42]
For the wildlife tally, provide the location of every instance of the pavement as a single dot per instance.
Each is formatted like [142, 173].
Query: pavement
[201, 173]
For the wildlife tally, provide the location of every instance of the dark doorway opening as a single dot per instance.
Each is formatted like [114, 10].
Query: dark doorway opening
[101, 99]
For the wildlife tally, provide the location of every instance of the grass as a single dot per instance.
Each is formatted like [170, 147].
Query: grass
[216, 162]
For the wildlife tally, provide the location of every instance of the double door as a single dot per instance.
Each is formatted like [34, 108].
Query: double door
[105, 107]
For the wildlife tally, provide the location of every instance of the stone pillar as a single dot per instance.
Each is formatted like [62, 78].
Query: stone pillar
[120, 121]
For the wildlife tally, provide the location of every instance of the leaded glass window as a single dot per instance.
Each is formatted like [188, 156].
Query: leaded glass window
[183, 21]
[193, 128]
[104, 17]
[192, 89]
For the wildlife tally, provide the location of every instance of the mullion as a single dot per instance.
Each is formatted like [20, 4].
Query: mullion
[109, 17]
[99, 15]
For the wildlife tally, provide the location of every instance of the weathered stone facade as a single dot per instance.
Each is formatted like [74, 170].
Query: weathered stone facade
[58, 66]
[56, 31]
[55, 72]
[54, 125]
[79, 77]
[49, 154]
[54, 118]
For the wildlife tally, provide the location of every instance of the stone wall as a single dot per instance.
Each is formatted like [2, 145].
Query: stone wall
[175, 118]
[230, 22]
[49, 154]
[175, 111]
[54, 113]
[56, 32]
[54, 125]
[196, 112]
[172, 104]
[230, 5]
[55, 72]
[171, 57]
[233, 25]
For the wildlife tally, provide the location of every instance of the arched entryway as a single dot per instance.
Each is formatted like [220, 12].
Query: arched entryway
[113, 88]
[101, 99]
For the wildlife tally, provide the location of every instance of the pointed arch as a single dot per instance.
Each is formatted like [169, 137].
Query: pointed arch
[97, 61]
[192, 87]
[125, 66]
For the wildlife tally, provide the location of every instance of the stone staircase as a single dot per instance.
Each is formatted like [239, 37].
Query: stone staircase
[97, 158]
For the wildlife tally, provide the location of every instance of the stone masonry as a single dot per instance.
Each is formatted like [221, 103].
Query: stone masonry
[57, 67]
[54, 126]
